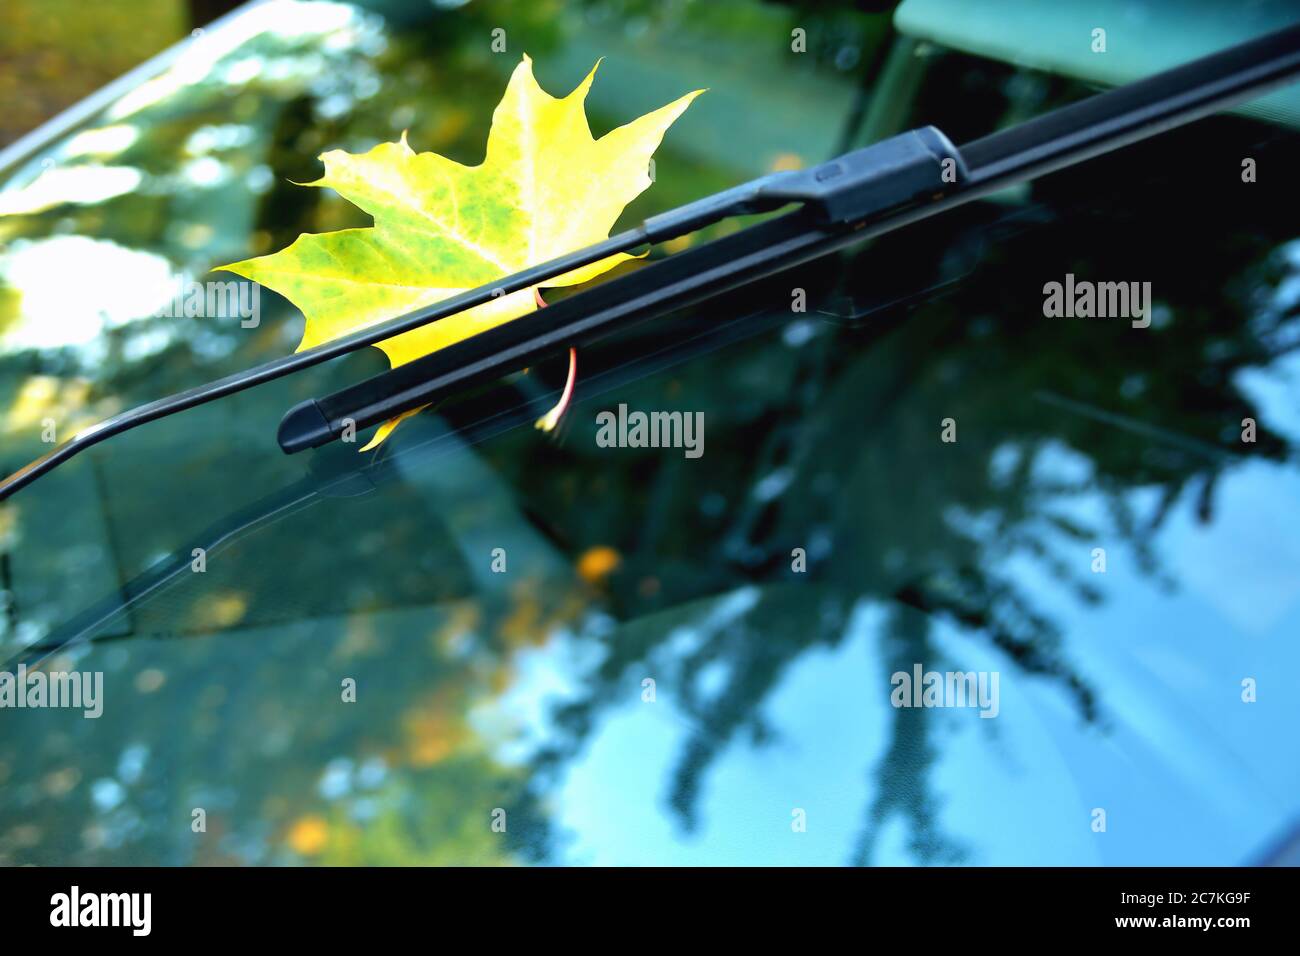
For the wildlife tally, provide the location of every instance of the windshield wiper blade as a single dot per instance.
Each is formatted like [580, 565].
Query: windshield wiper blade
[840, 189]
[859, 195]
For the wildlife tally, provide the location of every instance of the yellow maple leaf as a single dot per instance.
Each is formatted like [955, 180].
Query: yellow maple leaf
[545, 188]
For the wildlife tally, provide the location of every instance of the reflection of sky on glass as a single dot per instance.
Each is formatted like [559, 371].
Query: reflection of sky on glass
[84, 185]
[103, 141]
[114, 285]
[285, 18]
[829, 722]
[1187, 772]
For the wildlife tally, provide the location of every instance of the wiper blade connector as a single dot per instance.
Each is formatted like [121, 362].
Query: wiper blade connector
[851, 188]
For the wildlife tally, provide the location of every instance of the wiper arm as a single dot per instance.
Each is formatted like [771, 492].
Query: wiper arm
[882, 181]
[864, 193]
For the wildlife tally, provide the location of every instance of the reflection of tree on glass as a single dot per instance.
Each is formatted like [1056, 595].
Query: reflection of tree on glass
[1052, 414]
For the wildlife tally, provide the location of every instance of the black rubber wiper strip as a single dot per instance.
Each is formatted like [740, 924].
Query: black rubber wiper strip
[1063, 137]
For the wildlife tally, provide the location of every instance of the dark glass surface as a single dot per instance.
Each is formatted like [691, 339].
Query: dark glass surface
[524, 691]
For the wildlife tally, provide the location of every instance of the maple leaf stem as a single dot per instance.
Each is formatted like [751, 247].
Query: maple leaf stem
[552, 418]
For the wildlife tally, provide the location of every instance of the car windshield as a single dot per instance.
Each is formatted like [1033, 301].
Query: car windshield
[484, 643]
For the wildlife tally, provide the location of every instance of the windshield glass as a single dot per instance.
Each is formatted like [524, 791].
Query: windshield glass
[483, 644]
